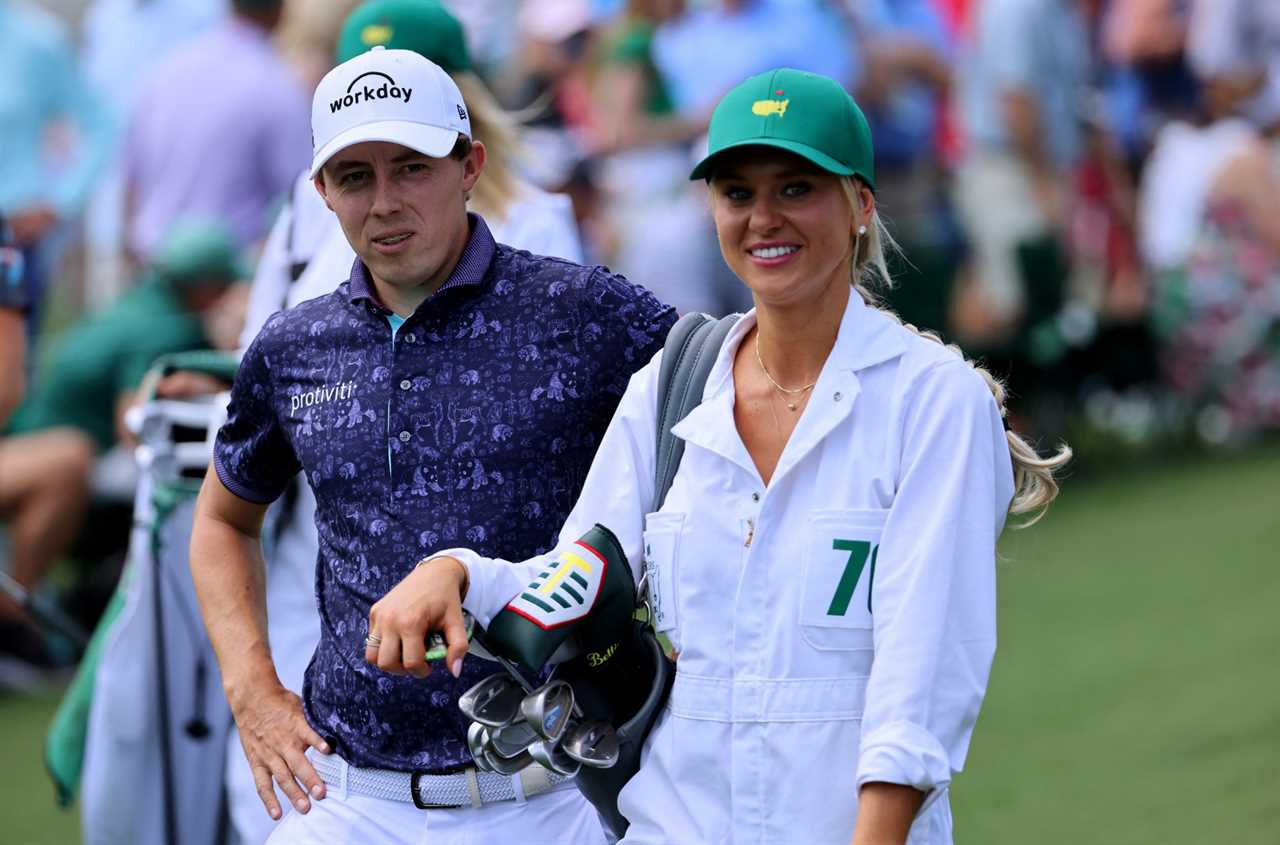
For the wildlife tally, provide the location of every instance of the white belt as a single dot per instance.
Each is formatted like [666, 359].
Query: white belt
[467, 788]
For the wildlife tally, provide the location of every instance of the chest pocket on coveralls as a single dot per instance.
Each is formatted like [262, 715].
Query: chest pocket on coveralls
[661, 559]
[839, 578]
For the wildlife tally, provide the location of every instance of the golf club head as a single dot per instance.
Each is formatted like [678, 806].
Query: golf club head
[508, 765]
[514, 738]
[593, 744]
[494, 702]
[548, 710]
[477, 739]
[552, 756]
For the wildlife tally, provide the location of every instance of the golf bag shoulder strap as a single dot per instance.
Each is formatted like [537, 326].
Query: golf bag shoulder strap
[296, 266]
[687, 356]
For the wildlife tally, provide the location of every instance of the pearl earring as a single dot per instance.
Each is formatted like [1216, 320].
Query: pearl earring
[862, 230]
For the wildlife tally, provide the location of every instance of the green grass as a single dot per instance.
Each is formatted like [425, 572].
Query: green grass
[28, 815]
[1136, 693]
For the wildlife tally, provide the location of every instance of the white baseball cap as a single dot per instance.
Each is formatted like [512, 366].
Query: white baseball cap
[387, 95]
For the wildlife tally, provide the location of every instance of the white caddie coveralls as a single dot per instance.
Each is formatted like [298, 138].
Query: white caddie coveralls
[834, 628]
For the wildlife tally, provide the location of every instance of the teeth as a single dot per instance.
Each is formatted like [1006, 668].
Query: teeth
[395, 239]
[774, 251]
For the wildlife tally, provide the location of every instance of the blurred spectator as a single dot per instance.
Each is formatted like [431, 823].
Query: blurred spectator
[74, 411]
[644, 150]
[631, 99]
[220, 133]
[308, 35]
[909, 50]
[554, 36]
[1147, 79]
[1212, 229]
[1022, 99]
[705, 52]
[13, 340]
[121, 43]
[54, 135]
[490, 30]
[1234, 45]
[1177, 183]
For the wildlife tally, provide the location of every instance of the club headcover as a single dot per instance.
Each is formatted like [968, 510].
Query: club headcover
[586, 593]
[584, 603]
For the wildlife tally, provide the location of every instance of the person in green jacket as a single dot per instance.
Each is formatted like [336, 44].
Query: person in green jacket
[74, 410]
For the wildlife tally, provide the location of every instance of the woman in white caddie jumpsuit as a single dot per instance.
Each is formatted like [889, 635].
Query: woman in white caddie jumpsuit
[824, 562]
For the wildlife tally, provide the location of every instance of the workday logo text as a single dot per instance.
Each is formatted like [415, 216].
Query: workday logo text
[376, 86]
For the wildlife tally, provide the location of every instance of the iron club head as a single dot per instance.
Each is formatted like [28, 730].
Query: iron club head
[514, 738]
[494, 702]
[508, 765]
[552, 756]
[547, 710]
[477, 740]
[593, 744]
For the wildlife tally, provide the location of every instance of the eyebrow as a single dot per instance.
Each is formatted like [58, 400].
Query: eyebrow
[350, 164]
[788, 173]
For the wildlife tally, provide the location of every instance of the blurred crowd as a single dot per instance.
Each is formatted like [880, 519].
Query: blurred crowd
[1085, 193]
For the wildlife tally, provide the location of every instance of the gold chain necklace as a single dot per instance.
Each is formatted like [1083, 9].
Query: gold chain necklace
[787, 392]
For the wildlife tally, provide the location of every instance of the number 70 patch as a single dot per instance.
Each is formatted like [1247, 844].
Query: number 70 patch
[859, 552]
[840, 569]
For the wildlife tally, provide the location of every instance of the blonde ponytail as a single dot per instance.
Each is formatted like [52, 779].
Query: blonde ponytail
[499, 185]
[1035, 486]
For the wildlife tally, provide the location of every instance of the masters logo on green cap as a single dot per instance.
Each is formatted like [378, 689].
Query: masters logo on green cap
[803, 113]
[423, 26]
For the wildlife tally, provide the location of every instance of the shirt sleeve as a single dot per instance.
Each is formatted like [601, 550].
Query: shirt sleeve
[252, 455]
[616, 494]
[633, 327]
[934, 613]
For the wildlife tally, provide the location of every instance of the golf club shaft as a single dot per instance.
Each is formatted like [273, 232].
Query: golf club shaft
[44, 612]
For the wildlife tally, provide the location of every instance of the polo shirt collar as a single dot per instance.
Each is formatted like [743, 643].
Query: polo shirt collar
[470, 271]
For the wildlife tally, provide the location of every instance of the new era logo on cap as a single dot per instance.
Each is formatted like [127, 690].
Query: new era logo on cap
[397, 96]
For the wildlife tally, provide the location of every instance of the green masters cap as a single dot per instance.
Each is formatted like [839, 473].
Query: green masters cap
[423, 26]
[803, 113]
[196, 251]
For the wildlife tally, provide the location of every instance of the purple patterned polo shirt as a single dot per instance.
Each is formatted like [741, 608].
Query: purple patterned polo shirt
[474, 426]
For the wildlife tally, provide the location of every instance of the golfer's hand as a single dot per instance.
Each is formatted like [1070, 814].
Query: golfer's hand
[428, 599]
[275, 735]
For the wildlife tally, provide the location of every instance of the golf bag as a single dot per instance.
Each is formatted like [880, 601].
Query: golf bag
[621, 675]
[158, 721]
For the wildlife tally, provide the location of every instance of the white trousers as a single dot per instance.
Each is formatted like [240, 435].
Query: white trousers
[560, 817]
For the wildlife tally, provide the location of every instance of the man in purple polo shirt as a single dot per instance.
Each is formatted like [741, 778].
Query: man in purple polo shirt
[452, 390]
[219, 133]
